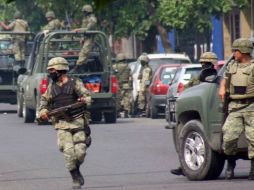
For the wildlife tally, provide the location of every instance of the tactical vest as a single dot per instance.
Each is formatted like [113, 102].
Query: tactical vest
[20, 26]
[242, 80]
[123, 72]
[63, 95]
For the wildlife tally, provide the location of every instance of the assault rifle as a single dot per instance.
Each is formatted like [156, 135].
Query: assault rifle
[227, 94]
[69, 112]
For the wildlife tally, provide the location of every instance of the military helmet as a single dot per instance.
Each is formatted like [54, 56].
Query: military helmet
[120, 57]
[50, 14]
[144, 58]
[87, 8]
[244, 45]
[58, 63]
[208, 57]
[17, 15]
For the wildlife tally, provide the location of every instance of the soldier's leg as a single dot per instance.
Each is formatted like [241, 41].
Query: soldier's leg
[232, 129]
[127, 102]
[80, 147]
[66, 145]
[84, 52]
[249, 133]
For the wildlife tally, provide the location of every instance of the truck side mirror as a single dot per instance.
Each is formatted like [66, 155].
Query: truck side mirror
[22, 71]
[208, 75]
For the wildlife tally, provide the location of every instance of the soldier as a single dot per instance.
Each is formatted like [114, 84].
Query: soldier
[88, 23]
[207, 60]
[71, 135]
[238, 81]
[125, 84]
[19, 42]
[145, 77]
[53, 23]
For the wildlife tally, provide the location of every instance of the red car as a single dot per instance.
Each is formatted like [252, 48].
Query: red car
[156, 96]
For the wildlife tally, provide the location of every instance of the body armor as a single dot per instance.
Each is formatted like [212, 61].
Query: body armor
[63, 95]
[242, 81]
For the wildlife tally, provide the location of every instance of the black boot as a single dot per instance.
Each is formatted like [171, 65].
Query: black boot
[80, 177]
[75, 179]
[177, 171]
[251, 175]
[229, 173]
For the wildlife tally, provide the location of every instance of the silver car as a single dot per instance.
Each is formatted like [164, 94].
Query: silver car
[182, 77]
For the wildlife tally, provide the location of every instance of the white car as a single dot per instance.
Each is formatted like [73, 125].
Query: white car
[155, 61]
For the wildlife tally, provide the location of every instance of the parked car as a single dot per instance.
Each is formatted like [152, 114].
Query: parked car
[182, 77]
[156, 96]
[96, 73]
[155, 61]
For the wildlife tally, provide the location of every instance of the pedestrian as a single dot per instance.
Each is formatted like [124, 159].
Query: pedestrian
[53, 23]
[145, 77]
[207, 60]
[123, 74]
[19, 41]
[238, 82]
[72, 135]
[88, 23]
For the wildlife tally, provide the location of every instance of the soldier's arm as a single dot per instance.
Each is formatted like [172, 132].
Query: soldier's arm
[44, 102]
[7, 27]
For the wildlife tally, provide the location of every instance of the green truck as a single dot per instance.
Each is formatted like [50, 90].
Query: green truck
[9, 70]
[196, 118]
[96, 73]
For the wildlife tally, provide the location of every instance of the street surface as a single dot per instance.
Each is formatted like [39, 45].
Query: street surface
[134, 154]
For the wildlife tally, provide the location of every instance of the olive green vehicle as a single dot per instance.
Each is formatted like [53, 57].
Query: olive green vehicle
[96, 73]
[197, 119]
[9, 70]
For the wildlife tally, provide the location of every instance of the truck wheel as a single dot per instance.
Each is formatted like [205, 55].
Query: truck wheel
[153, 112]
[28, 114]
[198, 160]
[96, 116]
[20, 105]
[110, 117]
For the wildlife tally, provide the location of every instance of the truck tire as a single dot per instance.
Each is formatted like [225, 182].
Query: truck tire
[198, 160]
[110, 117]
[28, 114]
[96, 116]
[20, 105]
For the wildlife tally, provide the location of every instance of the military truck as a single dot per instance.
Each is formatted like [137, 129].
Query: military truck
[8, 68]
[196, 118]
[96, 73]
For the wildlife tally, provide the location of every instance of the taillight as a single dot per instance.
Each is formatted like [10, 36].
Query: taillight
[43, 85]
[180, 88]
[114, 84]
[159, 89]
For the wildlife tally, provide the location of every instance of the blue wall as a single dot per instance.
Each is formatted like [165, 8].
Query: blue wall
[217, 37]
[171, 36]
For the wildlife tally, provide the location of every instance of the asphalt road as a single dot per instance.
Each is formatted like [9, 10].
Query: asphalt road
[134, 154]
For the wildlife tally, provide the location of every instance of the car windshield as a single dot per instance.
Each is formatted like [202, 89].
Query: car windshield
[167, 74]
[154, 63]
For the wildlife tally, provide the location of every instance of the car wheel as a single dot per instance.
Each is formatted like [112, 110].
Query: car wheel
[154, 112]
[20, 105]
[96, 116]
[110, 117]
[28, 114]
[198, 160]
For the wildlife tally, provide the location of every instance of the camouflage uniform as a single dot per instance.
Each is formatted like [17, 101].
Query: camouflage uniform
[53, 24]
[70, 134]
[241, 107]
[145, 77]
[19, 44]
[88, 23]
[125, 84]
[207, 60]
